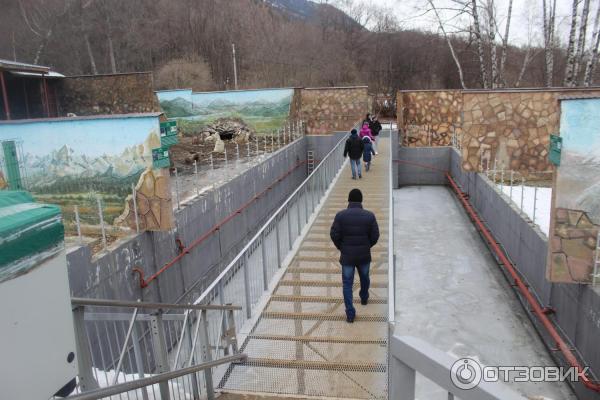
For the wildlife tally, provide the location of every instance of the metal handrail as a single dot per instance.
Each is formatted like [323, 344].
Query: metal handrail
[391, 253]
[159, 378]
[260, 232]
[77, 301]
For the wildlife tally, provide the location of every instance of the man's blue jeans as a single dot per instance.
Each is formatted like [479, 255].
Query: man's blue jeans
[355, 166]
[348, 282]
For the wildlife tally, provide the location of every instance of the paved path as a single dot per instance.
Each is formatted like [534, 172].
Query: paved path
[302, 344]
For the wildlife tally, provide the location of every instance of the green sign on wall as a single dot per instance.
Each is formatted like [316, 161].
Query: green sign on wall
[168, 133]
[160, 157]
[555, 149]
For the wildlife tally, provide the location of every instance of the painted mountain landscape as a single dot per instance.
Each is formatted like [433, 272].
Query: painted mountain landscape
[263, 110]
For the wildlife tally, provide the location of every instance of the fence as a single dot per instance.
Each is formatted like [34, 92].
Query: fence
[124, 347]
[247, 277]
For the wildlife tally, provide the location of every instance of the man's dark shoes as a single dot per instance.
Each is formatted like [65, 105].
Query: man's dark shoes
[364, 302]
[349, 320]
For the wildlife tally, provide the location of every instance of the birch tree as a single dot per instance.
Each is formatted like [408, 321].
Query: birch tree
[549, 18]
[592, 54]
[505, 44]
[479, 40]
[581, 41]
[570, 68]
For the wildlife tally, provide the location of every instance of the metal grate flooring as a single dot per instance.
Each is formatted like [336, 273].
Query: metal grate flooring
[302, 345]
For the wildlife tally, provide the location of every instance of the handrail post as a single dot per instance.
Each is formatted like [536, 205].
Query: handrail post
[206, 355]
[84, 357]
[298, 215]
[231, 332]
[264, 261]
[289, 224]
[139, 363]
[247, 285]
[277, 233]
[402, 380]
[157, 329]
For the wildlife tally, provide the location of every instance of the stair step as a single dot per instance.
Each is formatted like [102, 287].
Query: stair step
[320, 299]
[320, 339]
[316, 365]
[321, 316]
[293, 282]
[301, 270]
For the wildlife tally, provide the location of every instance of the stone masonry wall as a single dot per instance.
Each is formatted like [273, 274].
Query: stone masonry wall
[428, 118]
[107, 94]
[327, 110]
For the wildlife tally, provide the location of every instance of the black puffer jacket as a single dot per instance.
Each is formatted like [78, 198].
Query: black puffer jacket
[354, 231]
[354, 147]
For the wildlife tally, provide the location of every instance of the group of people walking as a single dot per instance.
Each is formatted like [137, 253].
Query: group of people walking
[354, 230]
[363, 145]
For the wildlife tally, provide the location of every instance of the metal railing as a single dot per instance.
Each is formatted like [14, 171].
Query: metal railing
[247, 277]
[409, 355]
[117, 349]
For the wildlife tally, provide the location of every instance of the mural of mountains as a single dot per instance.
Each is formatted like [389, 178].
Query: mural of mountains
[177, 108]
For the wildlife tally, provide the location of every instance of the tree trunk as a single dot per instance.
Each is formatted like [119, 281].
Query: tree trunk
[42, 47]
[111, 53]
[526, 62]
[592, 56]
[505, 43]
[482, 69]
[581, 41]
[90, 54]
[548, 21]
[570, 68]
[492, 42]
[456, 61]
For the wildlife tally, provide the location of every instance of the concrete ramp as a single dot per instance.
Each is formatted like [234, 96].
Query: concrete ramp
[301, 344]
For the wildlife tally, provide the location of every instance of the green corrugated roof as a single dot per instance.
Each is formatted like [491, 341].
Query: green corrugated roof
[27, 229]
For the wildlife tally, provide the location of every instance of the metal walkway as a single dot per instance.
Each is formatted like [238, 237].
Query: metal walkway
[301, 344]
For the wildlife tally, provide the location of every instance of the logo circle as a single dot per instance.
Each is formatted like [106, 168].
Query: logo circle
[465, 373]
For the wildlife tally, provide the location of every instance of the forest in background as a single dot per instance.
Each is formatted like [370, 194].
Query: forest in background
[187, 43]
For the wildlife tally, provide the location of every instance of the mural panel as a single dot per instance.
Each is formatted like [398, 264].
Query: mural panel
[576, 206]
[72, 161]
[263, 110]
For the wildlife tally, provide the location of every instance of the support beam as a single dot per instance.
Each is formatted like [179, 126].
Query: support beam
[4, 95]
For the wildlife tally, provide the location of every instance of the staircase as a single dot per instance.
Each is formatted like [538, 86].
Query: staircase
[301, 344]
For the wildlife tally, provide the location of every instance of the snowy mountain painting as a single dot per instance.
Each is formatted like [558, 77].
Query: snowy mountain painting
[68, 161]
[263, 109]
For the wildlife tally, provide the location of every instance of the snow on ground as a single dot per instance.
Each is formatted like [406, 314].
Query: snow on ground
[541, 200]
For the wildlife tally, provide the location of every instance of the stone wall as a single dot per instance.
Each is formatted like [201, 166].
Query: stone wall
[107, 94]
[327, 110]
[428, 118]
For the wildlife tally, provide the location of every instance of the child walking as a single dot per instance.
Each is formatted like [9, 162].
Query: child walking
[368, 152]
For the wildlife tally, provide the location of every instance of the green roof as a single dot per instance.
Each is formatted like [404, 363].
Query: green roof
[29, 231]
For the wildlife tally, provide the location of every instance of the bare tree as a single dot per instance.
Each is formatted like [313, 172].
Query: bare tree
[505, 43]
[479, 40]
[549, 24]
[569, 79]
[592, 54]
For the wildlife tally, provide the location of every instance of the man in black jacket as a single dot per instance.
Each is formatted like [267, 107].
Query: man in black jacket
[354, 231]
[354, 148]
[375, 127]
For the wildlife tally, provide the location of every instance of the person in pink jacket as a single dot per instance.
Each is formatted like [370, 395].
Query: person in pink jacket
[366, 131]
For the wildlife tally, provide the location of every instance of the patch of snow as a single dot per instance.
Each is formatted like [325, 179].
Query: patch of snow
[541, 201]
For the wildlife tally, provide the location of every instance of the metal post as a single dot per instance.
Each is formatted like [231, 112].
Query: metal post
[263, 248]
[235, 79]
[247, 286]
[212, 163]
[278, 249]
[248, 147]
[402, 380]
[512, 182]
[177, 189]
[157, 330]
[188, 327]
[298, 215]
[82, 351]
[256, 141]
[289, 223]
[272, 142]
[535, 190]
[306, 204]
[135, 212]
[225, 153]
[101, 222]
[78, 224]
[205, 352]
[195, 167]
[495, 168]
[139, 363]
[124, 349]
[237, 151]
[265, 139]
[502, 181]
[522, 191]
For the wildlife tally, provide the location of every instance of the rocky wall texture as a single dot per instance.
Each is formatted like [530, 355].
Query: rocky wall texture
[327, 110]
[429, 118]
[107, 94]
[153, 202]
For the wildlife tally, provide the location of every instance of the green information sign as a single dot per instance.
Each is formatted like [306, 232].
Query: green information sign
[555, 149]
[160, 158]
[168, 133]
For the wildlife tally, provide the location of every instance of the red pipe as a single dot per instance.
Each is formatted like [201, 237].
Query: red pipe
[185, 250]
[537, 309]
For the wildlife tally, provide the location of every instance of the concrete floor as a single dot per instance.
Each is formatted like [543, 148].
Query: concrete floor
[451, 293]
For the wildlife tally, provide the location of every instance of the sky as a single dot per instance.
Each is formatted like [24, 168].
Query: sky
[410, 14]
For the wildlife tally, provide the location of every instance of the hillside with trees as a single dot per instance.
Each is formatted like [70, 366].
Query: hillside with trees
[284, 43]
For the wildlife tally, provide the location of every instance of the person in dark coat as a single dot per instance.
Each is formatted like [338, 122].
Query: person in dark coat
[375, 127]
[368, 152]
[354, 231]
[354, 148]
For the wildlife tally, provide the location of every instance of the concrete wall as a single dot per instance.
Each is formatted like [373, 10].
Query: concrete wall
[410, 173]
[576, 306]
[107, 94]
[109, 275]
